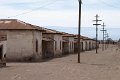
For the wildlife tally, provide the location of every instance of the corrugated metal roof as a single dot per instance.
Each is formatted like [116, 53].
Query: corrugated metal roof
[14, 24]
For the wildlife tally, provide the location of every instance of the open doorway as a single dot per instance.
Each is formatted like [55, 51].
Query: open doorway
[75, 47]
[65, 48]
[47, 49]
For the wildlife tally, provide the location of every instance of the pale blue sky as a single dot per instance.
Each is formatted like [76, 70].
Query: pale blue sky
[62, 12]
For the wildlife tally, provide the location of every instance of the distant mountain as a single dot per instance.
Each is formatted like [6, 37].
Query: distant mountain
[114, 33]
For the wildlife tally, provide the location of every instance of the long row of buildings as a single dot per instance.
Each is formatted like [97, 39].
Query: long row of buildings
[22, 41]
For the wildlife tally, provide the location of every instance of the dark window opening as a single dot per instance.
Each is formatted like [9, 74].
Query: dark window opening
[1, 51]
[55, 45]
[72, 45]
[36, 45]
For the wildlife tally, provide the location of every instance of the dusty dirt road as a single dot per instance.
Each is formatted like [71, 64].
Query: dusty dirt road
[102, 66]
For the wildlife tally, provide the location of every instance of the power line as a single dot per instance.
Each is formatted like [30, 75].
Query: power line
[97, 20]
[49, 3]
[107, 39]
[106, 36]
[103, 35]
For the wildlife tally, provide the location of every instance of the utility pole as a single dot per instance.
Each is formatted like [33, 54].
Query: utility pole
[103, 35]
[106, 39]
[79, 31]
[97, 31]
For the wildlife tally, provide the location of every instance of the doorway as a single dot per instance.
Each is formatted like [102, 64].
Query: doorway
[47, 49]
[65, 48]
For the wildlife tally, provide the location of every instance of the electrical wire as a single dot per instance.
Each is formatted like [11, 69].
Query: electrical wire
[49, 3]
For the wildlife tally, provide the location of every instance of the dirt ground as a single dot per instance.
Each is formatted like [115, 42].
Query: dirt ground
[102, 66]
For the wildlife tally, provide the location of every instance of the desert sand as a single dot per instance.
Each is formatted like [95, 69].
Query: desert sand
[102, 66]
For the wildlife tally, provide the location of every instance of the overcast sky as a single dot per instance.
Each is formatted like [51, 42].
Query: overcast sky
[61, 12]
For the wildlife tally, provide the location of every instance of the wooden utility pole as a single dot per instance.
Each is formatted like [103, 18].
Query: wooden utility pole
[103, 35]
[106, 39]
[79, 31]
[107, 36]
[97, 31]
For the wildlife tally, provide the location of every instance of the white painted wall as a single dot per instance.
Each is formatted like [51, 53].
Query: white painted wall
[71, 44]
[37, 35]
[57, 43]
[21, 44]
[84, 45]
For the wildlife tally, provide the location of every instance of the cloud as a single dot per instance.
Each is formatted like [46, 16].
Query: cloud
[60, 13]
[24, 4]
[101, 4]
[54, 18]
[48, 4]
[91, 1]
[61, 4]
[111, 18]
[18, 1]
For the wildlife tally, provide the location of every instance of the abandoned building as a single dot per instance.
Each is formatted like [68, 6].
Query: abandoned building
[94, 44]
[27, 42]
[51, 43]
[68, 43]
[76, 44]
[23, 40]
[3, 48]
[90, 44]
[86, 44]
